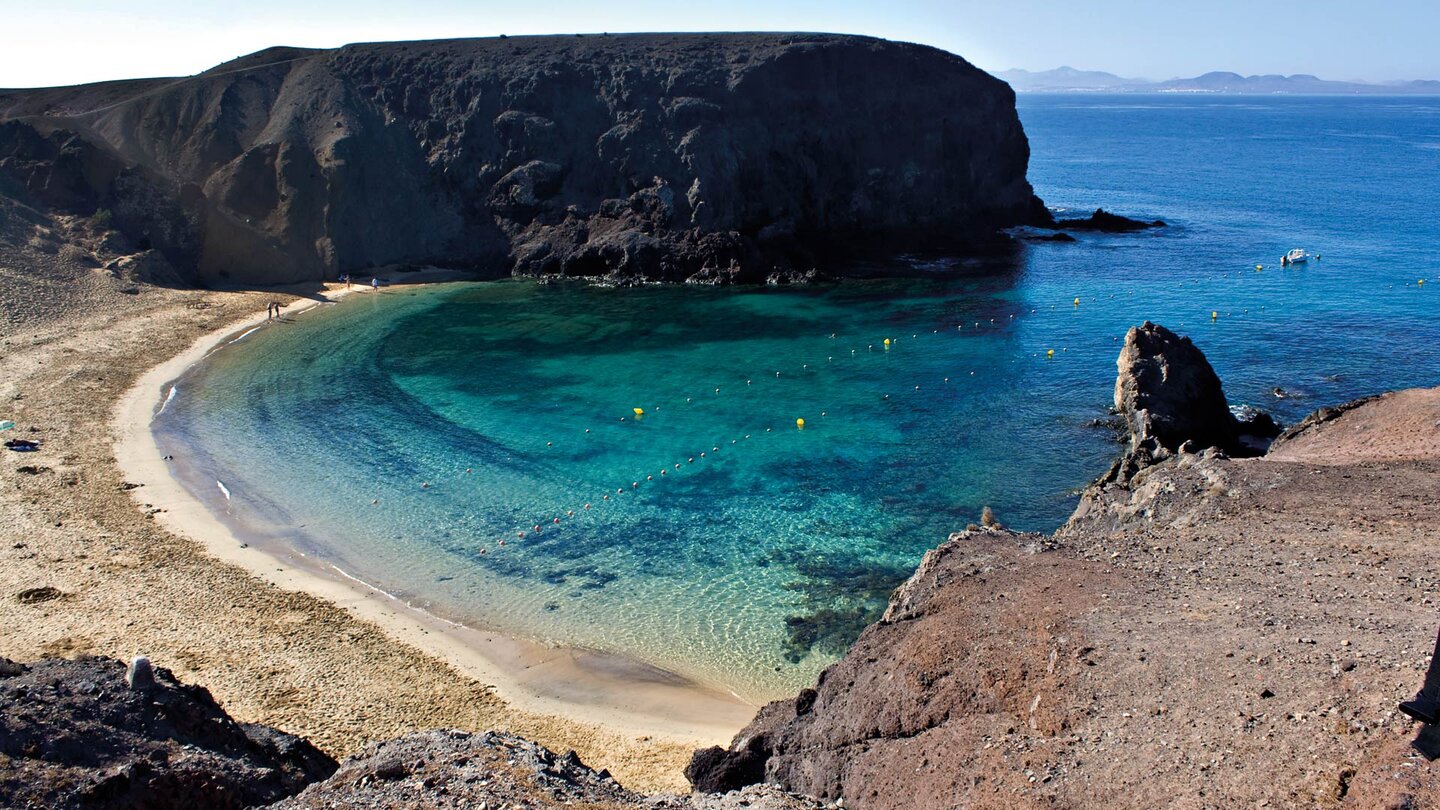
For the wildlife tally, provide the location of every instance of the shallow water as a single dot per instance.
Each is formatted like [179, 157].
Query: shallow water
[757, 563]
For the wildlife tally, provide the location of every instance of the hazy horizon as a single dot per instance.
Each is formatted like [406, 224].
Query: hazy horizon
[72, 42]
[1221, 69]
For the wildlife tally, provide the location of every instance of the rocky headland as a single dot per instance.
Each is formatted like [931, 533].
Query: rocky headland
[703, 157]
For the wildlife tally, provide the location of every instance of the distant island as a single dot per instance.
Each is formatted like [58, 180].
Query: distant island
[1070, 80]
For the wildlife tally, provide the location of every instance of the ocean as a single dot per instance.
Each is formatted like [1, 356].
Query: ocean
[475, 448]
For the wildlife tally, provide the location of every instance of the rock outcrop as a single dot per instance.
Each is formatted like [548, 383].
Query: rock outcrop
[1168, 394]
[447, 768]
[78, 734]
[1171, 398]
[717, 158]
[1103, 221]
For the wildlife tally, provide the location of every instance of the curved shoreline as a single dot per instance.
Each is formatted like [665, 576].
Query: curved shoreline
[592, 688]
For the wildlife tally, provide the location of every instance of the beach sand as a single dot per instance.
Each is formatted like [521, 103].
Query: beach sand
[142, 567]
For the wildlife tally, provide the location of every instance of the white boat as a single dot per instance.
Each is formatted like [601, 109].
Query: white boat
[1296, 256]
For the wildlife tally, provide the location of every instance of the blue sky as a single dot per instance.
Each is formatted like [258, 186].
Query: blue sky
[70, 41]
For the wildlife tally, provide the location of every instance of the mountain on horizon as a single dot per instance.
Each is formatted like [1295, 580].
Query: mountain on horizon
[1070, 80]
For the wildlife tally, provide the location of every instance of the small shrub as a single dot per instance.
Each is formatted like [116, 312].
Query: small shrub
[987, 518]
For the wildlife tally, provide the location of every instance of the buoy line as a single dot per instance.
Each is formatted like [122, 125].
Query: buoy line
[886, 344]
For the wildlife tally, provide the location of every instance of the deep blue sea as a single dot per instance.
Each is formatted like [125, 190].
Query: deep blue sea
[403, 436]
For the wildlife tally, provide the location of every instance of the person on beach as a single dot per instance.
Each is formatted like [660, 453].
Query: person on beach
[270, 311]
[375, 284]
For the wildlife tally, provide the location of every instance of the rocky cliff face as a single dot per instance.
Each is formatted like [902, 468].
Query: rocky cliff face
[706, 157]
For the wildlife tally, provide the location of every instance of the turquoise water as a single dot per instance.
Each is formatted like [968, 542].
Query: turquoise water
[403, 436]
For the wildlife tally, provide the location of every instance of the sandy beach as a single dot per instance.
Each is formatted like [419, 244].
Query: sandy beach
[141, 566]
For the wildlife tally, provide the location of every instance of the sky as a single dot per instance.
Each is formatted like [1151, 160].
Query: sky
[56, 42]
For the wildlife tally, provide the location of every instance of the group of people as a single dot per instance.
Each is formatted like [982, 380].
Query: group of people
[374, 282]
[272, 309]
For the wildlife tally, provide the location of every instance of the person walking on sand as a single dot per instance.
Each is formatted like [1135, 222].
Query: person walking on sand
[375, 284]
[270, 311]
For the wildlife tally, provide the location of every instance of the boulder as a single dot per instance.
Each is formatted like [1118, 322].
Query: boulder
[721, 770]
[1169, 395]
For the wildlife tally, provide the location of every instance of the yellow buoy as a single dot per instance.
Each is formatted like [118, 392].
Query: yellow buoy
[1214, 315]
[1077, 301]
[638, 411]
[800, 423]
[1259, 267]
[887, 341]
[1050, 353]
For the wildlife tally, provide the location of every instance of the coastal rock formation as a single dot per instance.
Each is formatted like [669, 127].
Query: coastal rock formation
[1171, 398]
[1168, 394]
[1103, 221]
[76, 734]
[446, 768]
[727, 157]
[1212, 631]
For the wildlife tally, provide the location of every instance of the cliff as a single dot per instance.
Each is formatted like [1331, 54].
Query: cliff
[1204, 631]
[714, 157]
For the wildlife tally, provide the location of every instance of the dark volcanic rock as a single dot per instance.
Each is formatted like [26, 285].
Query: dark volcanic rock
[446, 768]
[720, 770]
[72, 733]
[731, 157]
[502, 770]
[1058, 236]
[1105, 222]
[1168, 393]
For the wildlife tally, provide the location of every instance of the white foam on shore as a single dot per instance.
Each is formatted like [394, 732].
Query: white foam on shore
[392, 597]
[243, 335]
[169, 395]
[223, 490]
